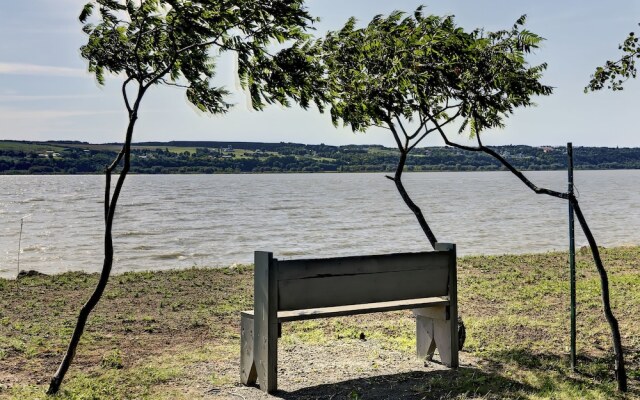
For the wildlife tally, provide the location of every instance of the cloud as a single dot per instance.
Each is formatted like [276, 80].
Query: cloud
[41, 70]
[16, 114]
[26, 98]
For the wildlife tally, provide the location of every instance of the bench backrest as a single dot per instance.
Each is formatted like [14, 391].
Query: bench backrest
[282, 285]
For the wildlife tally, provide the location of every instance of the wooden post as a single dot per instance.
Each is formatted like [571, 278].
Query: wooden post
[265, 323]
[572, 259]
[449, 328]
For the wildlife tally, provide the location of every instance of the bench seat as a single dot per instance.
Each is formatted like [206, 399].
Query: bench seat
[340, 311]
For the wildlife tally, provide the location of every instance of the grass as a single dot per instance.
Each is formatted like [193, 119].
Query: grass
[118, 147]
[173, 334]
[30, 146]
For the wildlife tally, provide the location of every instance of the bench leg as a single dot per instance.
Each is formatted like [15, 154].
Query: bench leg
[435, 328]
[248, 374]
[446, 341]
[425, 338]
[265, 355]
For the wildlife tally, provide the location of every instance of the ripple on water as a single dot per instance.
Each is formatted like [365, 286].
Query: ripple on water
[178, 255]
[137, 233]
[175, 220]
[144, 247]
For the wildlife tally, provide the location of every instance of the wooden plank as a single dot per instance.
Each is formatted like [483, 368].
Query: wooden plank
[447, 348]
[248, 373]
[340, 290]
[338, 311]
[452, 324]
[265, 341]
[425, 337]
[439, 312]
[313, 268]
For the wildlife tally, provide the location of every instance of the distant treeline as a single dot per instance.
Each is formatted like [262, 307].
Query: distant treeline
[184, 157]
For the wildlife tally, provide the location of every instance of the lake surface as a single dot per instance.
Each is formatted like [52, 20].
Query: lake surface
[178, 221]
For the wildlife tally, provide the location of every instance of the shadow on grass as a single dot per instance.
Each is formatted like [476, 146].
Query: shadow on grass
[553, 370]
[444, 384]
[513, 374]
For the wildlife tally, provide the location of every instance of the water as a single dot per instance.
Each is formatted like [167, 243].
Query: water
[178, 221]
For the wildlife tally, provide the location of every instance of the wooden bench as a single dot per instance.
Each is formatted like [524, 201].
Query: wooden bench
[294, 290]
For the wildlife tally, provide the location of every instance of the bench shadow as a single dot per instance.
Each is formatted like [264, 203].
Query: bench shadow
[439, 384]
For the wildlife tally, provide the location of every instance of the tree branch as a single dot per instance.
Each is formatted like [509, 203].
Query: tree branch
[125, 96]
[505, 163]
[164, 81]
[395, 134]
[428, 131]
[423, 122]
[621, 375]
[139, 38]
[404, 131]
[478, 139]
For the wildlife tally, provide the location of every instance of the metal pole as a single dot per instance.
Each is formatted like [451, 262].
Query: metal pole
[20, 245]
[572, 259]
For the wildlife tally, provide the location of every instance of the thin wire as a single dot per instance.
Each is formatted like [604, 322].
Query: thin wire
[575, 189]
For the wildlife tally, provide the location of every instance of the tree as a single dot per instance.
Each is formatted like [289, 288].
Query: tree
[615, 73]
[169, 43]
[619, 368]
[426, 71]
[404, 73]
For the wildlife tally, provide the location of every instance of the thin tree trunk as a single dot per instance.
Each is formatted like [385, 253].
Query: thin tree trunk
[397, 179]
[110, 208]
[620, 370]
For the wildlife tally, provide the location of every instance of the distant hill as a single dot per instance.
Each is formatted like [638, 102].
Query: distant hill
[188, 157]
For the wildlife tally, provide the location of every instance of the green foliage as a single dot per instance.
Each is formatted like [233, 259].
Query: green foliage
[615, 73]
[170, 42]
[424, 68]
[112, 360]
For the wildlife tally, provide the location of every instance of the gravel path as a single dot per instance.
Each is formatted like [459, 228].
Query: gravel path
[347, 369]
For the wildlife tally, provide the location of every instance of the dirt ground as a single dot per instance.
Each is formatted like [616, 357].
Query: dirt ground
[352, 369]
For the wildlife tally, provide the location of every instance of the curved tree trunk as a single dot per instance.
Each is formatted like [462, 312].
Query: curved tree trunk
[110, 209]
[397, 179]
[620, 370]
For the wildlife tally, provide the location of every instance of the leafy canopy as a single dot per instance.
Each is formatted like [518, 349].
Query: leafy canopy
[171, 42]
[615, 73]
[424, 68]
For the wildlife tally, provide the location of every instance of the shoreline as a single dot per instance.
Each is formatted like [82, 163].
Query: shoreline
[34, 272]
[324, 172]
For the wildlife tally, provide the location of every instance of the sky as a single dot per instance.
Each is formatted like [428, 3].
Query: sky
[46, 93]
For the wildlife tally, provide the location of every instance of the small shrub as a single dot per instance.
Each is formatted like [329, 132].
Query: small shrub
[112, 360]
